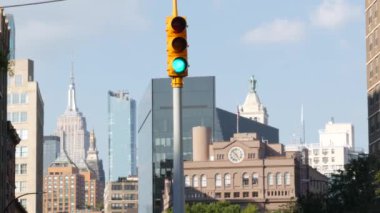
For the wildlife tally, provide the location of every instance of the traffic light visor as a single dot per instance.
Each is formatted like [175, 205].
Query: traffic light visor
[178, 24]
[179, 65]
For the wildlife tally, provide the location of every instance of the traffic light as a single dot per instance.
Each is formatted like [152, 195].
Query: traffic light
[176, 46]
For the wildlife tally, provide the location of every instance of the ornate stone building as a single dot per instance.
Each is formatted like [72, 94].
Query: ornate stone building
[252, 108]
[246, 170]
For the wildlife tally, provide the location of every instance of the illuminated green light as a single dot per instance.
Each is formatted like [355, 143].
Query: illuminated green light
[179, 65]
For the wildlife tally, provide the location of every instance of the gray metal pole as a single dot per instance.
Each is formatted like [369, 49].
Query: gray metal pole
[178, 178]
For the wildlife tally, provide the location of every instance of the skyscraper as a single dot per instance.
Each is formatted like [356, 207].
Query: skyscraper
[51, 151]
[121, 135]
[26, 112]
[155, 132]
[72, 128]
[373, 75]
[96, 166]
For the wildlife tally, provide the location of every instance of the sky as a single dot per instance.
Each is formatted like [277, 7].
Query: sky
[309, 53]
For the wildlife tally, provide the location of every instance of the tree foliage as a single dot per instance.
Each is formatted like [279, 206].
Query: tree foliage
[355, 190]
[215, 207]
[250, 208]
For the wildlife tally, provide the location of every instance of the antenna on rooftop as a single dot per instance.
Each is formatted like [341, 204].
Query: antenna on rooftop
[302, 140]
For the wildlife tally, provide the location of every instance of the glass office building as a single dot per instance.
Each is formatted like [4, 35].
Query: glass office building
[51, 151]
[155, 131]
[121, 135]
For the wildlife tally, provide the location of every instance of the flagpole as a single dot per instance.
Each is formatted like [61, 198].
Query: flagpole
[237, 119]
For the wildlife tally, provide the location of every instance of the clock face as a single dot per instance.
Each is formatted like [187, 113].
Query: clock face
[236, 154]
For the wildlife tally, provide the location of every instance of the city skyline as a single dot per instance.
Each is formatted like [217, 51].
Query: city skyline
[315, 62]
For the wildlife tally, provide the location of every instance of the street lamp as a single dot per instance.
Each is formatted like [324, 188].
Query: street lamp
[12, 201]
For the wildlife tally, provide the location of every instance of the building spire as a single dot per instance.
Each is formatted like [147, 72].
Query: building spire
[92, 141]
[92, 153]
[71, 103]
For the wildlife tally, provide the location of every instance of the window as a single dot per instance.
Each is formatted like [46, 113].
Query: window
[195, 181]
[21, 169]
[255, 179]
[316, 160]
[287, 178]
[23, 116]
[325, 159]
[236, 194]
[325, 151]
[227, 180]
[23, 134]
[227, 195]
[270, 179]
[332, 159]
[218, 180]
[251, 155]
[187, 181]
[218, 195]
[18, 80]
[24, 98]
[245, 179]
[22, 151]
[278, 179]
[17, 117]
[20, 186]
[315, 151]
[203, 181]
[15, 98]
[23, 202]
[255, 194]
[245, 194]
[220, 156]
[114, 186]
[332, 151]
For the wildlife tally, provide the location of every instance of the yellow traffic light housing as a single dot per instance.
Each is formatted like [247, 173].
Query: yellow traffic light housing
[176, 44]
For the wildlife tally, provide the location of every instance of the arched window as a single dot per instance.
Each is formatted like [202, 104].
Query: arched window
[270, 179]
[195, 181]
[278, 178]
[227, 180]
[187, 181]
[203, 181]
[287, 178]
[245, 179]
[255, 179]
[218, 180]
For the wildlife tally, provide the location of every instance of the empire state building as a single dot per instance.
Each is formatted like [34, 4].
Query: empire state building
[72, 128]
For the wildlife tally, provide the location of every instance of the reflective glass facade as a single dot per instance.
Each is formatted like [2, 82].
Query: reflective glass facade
[51, 151]
[155, 131]
[121, 135]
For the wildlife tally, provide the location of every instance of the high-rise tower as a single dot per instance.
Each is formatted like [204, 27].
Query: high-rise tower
[121, 135]
[96, 166]
[373, 75]
[252, 107]
[26, 112]
[72, 128]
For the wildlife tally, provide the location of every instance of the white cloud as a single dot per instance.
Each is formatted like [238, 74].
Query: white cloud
[280, 30]
[73, 21]
[334, 13]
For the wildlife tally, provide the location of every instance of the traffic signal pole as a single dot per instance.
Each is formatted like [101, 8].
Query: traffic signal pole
[178, 185]
[178, 177]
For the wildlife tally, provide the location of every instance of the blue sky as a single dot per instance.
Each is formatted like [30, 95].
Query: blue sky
[301, 52]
